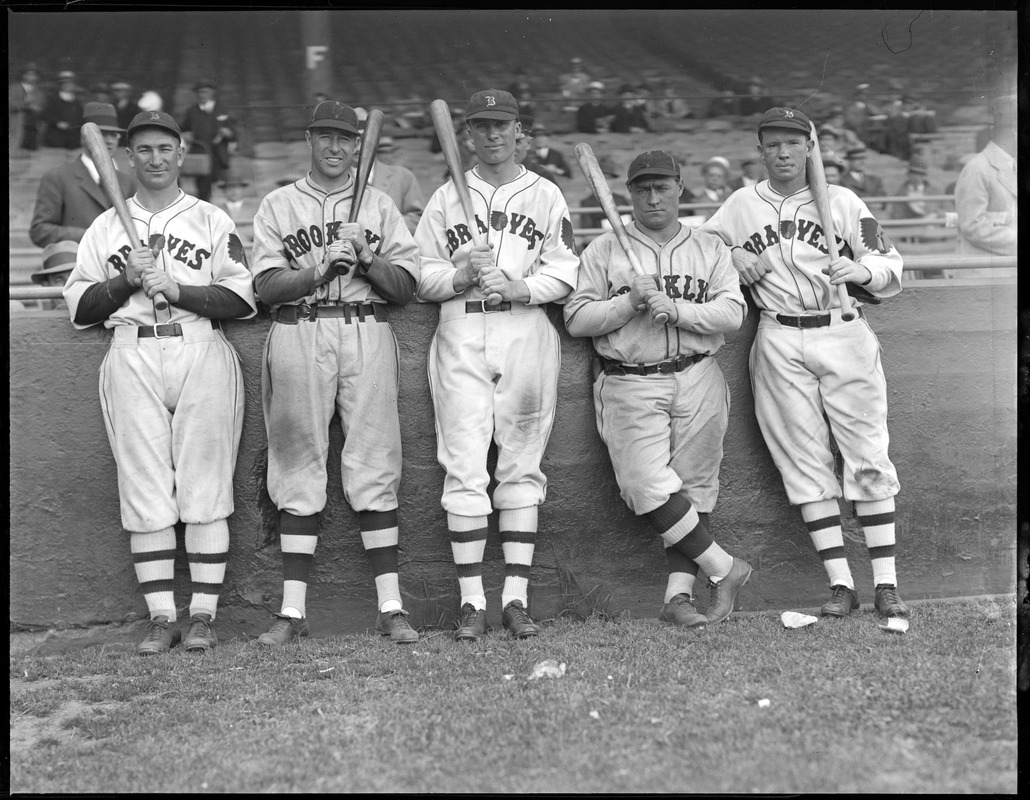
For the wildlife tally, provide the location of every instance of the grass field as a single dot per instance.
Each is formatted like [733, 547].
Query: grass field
[641, 708]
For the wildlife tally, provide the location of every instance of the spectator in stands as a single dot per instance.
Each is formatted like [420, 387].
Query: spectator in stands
[124, 105]
[715, 172]
[629, 116]
[921, 118]
[829, 140]
[858, 117]
[551, 160]
[208, 128]
[63, 114]
[846, 138]
[70, 197]
[666, 109]
[593, 111]
[525, 156]
[858, 180]
[896, 133]
[987, 189]
[589, 220]
[240, 205]
[26, 102]
[524, 98]
[916, 187]
[834, 171]
[573, 84]
[752, 172]
[58, 262]
[756, 101]
[727, 104]
[397, 181]
[100, 92]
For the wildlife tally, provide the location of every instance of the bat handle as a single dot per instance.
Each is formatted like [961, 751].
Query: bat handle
[847, 311]
[160, 302]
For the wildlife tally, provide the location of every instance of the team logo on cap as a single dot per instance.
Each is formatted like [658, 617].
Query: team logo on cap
[154, 115]
[788, 113]
[490, 100]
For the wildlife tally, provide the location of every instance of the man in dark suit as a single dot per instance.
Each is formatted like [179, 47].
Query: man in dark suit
[70, 197]
[546, 156]
[124, 105]
[207, 128]
[63, 114]
[861, 182]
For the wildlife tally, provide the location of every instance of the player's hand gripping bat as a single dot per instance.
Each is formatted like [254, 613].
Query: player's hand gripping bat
[599, 183]
[93, 143]
[821, 195]
[441, 116]
[366, 158]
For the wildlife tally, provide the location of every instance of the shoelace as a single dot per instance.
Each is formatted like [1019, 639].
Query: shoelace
[685, 600]
[888, 596]
[157, 630]
[200, 627]
[400, 620]
[468, 617]
[840, 595]
[519, 615]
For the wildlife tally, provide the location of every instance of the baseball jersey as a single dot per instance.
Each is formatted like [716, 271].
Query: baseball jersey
[526, 220]
[197, 245]
[785, 232]
[694, 269]
[295, 224]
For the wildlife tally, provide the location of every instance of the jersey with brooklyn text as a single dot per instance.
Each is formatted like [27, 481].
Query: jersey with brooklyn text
[785, 232]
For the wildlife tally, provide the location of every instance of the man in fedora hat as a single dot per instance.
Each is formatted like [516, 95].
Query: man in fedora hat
[240, 205]
[63, 114]
[398, 182]
[125, 107]
[58, 262]
[25, 102]
[70, 197]
[207, 127]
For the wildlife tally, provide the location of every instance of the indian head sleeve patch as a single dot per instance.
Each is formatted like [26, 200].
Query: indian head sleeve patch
[873, 236]
[236, 252]
[567, 237]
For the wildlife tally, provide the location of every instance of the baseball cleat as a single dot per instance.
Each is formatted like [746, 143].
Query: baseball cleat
[518, 622]
[724, 593]
[161, 637]
[284, 630]
[201, 636]
[471, 624]
[680, 611]
[842, 602]
[395, 625]
[888, 604]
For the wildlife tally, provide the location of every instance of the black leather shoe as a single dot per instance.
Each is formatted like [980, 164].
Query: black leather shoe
[842, 602]
[518, 622]
[471, 624]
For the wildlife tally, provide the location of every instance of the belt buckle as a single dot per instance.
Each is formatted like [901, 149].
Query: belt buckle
[489, 309]
[666, 367]
[305, 312]
[171, 328]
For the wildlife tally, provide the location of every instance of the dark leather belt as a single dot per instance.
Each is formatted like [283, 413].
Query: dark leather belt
[814, 321]
[291, 315]
[169, 329]
[670, 365]
[476, 306]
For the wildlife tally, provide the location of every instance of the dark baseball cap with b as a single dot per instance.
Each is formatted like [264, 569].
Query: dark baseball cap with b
[492, 104]
[154, 119]
[781, 117]
[653, 162]
[331, 114]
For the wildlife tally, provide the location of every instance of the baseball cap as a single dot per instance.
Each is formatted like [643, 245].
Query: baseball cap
[154, 119]
[204, 83]
[781, 117]
[917, 168]
[331, 114]
[492, 104]
[596, 85]
[102, 115]
[653, 162]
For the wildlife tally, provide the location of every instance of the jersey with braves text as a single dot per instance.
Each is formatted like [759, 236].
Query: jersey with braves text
[693, 268]
[785, 232]
[295, 225]
[526, 220]
[195, 242]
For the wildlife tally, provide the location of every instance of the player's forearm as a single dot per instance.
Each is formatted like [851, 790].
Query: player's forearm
[436, 282]
[599, 317]
[394, 283]
[276, 286]
[213, 302]
[101, 300]
[542, 289]
[723, 314]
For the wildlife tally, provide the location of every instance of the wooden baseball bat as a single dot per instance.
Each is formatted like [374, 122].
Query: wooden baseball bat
[93, 144]
[366, 158]
[599, 183]
[821, 195]
[440, 113]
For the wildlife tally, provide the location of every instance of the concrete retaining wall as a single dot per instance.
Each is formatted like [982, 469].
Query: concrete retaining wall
[948, 351]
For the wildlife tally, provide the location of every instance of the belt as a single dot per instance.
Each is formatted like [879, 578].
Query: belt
[292, 314]
[167, 330]
[670, 365]
[476, 306]
[813, 321]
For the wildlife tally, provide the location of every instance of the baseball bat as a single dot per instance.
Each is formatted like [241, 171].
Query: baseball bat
[93, 144]
[366, 158]
[821, 195]
[599, 183]
[440, 113]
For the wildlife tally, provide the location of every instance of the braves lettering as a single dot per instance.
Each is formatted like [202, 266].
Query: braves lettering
[520, 225]
[179, 249]
[806, 231]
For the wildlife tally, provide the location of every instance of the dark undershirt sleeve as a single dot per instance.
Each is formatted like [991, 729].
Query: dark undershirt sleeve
[101, 300]
[276, 286]
[213, 302]
[394, 283]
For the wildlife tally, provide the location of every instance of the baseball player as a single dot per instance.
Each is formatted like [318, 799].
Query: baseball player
[330, 349]
[171, 387]
[812, 373]
[493, 369]
[661, 402]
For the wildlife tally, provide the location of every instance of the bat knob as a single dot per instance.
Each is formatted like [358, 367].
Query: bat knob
[340, 266]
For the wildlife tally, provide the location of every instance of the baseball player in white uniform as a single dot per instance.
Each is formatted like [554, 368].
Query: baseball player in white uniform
[812, 373]
[493, 369]
[331, 349]
[661, 402]
[171, 387]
